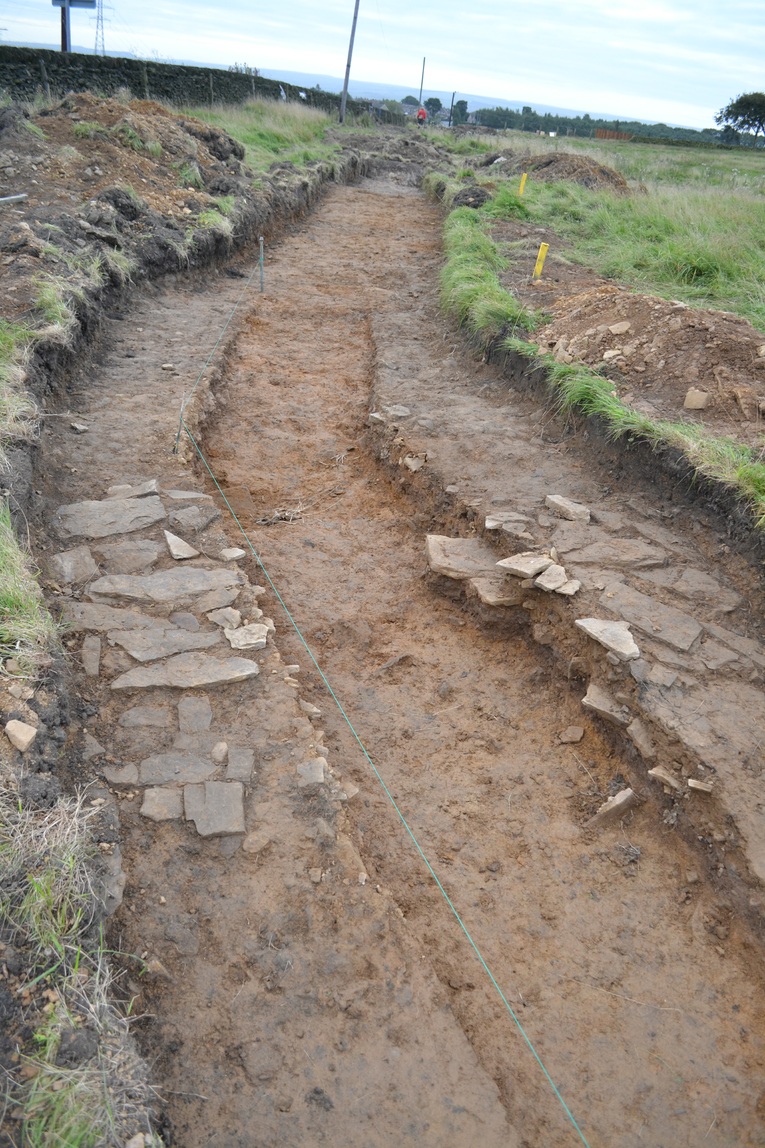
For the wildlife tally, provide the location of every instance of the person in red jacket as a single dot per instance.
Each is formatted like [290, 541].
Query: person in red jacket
[422, 115]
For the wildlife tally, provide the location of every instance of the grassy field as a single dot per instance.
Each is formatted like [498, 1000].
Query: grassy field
[691, 241]
[272, 131]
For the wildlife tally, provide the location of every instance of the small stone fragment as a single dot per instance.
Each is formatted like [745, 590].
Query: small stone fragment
[118, 775]
[178, 548]
[219, 752]
[665, 776]
[241, 762]
[458, 558]
[79, 428]
[185, 495]
[614, 809]
[91, 748]
[139, 490]
[573, 586]
[526, 565]
[228, 617]
[641, 739]
[232, 553]
[20, 734]
[700, 786]
[311, 711]
[73, 566]
[695, 400]
[599, 701]
[497, 590]
[566, 508]
[256, 842]
[162, 803]
[315, 876]
[571, 734]
[621, 328]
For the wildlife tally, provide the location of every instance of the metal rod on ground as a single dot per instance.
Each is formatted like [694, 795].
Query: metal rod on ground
[422, 80]
[262, 285]
[12, 198]
[344, 100]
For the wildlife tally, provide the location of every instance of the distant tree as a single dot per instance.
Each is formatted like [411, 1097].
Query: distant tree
[243, 69]
[411, 100]
[729, 136]
[433, 105]
[745, 114]
[460, 112]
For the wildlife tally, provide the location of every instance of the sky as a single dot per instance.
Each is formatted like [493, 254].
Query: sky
[671, 61]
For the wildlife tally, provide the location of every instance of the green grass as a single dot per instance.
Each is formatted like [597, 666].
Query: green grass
[271, 130]
[470, 286]
[27, 631]
[189, 175]
[88, 130]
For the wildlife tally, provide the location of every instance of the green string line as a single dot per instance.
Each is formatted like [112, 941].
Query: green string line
[185, 401]
[389, 795]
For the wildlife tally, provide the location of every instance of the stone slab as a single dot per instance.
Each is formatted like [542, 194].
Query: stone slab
[621, 553]
[661, 622]
[72, 567]
[251, 637]
[528, 564]
[241, 762]
[497, 590]
[195, 714]
[187, 671]
[133, 490]
[113, 516]
[186, 495]
[566, 508]
[458, 558]
[216, 807]
[599, 701]
[174, 768]
[227, 617]
[95, 616]
[217, 599]
[194, 518]
[173, 586]
[121, 775]
[131, 557]
[148, 645]
[232, 554]
[156, 717]
[312, 772]
[179, 548]
[162, 803]
[90, 655]
[615, 636]
[553, 578]
[614, 809]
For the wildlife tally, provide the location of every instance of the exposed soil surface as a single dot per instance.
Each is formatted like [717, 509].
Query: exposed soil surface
[304, 979]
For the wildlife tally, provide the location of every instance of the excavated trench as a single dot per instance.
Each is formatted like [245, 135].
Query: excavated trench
[315, 985]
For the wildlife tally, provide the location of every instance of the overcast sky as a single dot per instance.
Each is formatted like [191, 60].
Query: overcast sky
[677, 61]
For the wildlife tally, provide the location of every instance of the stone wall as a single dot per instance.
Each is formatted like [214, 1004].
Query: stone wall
[29, 72]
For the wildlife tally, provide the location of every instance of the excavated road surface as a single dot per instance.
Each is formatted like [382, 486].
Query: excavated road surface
[286, 1000]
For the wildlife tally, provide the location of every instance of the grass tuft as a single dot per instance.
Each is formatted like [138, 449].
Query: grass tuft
[27, 631]
[272, 130]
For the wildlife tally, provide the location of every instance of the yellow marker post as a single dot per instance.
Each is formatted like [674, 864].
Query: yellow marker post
[539, 265]
[522, 188]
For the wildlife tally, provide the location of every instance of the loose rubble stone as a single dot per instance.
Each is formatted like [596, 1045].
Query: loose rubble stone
[139, 490]
[20, 734]
[216, 807]
[232, 554]
[500, 518]
[73, 566]
[599, 701]
[178, 548]
[553, 578]
[614, 809]
[666, 777]
[90, 655]
[195, 714]
[219, 752]
[133, 557]
[241, 762]
[174, 586]
[186, 495]
[228, 617]
[174, 768]
[91, 748]
[573, 586]
[696, 400]
[621, 328]
[458, 558]
[256, 842]
[566, 508]
[414, 462]
[641, 739]
[700, 786]
[162, 803]
[114, 516]
[663, 622]
[217, 598]
[186, 671]
[615, 636]
[497, 590]
[526, 565]
[312, 772]
[310, 710]
[148, 645]
[251, 637]
[571, 735]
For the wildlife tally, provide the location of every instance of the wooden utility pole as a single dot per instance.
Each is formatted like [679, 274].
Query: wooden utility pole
[66, 34]
[422, 79]
[344, 100]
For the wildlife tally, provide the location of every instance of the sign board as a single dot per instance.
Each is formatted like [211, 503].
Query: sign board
[73, 3]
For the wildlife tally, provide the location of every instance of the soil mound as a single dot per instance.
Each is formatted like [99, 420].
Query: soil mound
[562, 166]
